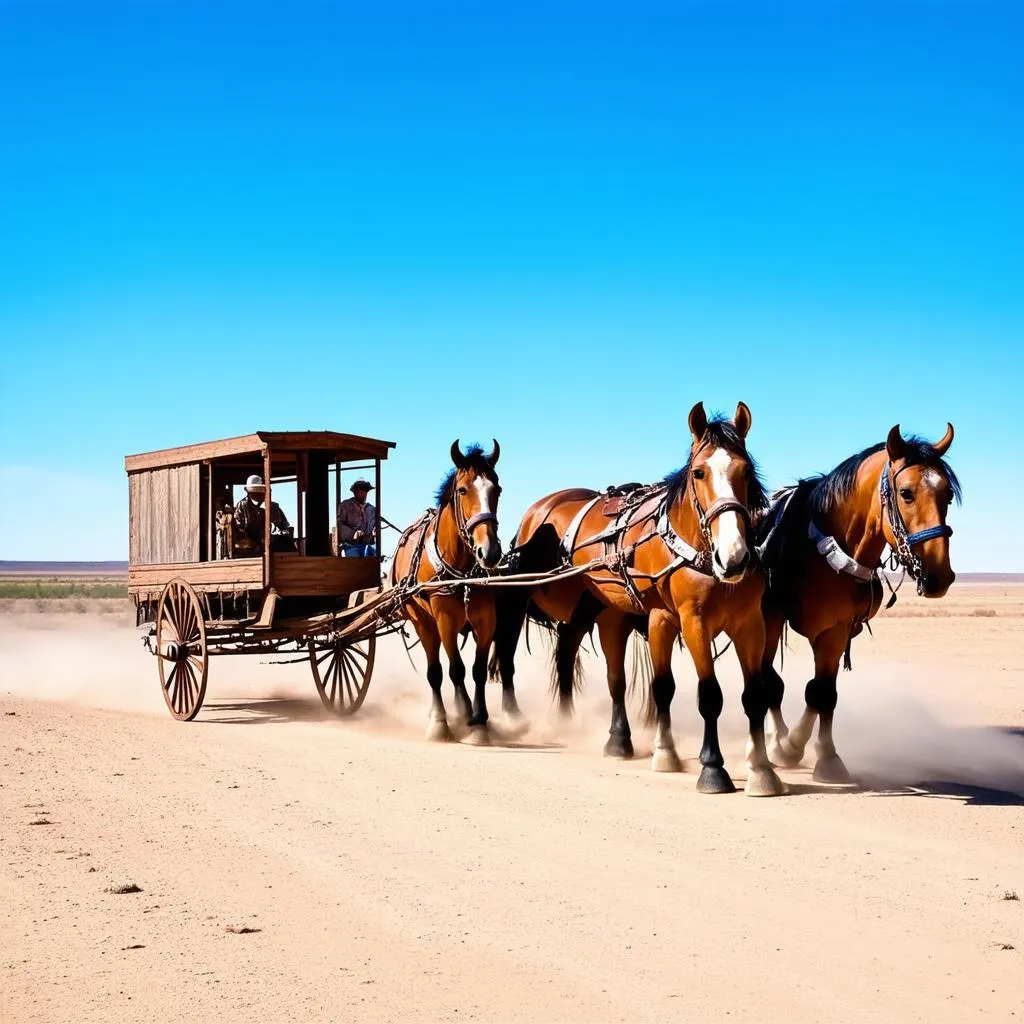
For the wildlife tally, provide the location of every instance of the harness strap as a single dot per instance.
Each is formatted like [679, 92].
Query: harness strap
[837, 558]
[569, 540]
[687, 552]
[480, 517]
[942, 530]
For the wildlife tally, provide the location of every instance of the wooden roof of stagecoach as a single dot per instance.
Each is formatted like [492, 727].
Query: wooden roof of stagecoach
[347, 447]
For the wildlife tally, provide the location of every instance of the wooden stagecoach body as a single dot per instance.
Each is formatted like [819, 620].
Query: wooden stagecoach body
[201, 600]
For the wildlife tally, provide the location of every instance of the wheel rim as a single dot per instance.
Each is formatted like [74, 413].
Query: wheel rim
[181, 650]
[342, 673]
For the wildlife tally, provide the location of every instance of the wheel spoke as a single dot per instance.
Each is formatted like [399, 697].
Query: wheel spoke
[350, 679]
[332, 675]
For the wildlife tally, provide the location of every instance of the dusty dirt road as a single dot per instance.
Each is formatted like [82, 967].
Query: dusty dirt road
[384, 878]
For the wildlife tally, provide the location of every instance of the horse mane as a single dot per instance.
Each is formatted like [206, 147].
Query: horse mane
[722, 433]
[827, 490]
[476, 460]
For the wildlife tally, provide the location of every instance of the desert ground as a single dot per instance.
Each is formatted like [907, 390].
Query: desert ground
[293, 867]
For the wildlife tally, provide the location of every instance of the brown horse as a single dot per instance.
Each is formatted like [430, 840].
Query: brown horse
[822, 545]
[677, 558]
[454, 541]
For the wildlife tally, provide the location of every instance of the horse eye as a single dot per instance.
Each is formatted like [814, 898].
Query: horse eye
[462, 490]
[698, 474]
[907, 494]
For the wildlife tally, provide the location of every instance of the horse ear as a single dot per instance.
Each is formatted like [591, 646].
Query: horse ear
[495, 453]
[457, 457]
[941, 447]
[742, 420]
[698, 422]
[895, 445]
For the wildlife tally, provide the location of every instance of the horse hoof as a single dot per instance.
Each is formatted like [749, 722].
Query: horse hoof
[438, 731]
[764, 782]
[621, 748]
[665, 759]
[831, 769]
[478, 736]
[714, 780]
[785, 755]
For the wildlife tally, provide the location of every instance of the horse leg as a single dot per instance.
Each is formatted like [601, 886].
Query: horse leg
[510, 604]
[614, 630]
[820, 693]
[437, 725]
[662, 630]
[481, 617]
[822, 696]
[749, 642]
[569, 637]
[713, 776]
[449, 624]
[775, 688]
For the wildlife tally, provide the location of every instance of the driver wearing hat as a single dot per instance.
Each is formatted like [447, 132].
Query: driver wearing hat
[357, 522]
[249, 513]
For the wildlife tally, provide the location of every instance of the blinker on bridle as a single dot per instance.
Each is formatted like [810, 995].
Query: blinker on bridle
[903, 552]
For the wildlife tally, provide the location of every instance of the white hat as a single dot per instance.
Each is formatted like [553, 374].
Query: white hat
[255, 485]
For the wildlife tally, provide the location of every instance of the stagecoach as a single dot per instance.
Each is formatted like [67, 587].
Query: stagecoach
[204, 591]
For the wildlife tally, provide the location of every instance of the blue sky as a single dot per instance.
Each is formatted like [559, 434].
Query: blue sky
[555, 224]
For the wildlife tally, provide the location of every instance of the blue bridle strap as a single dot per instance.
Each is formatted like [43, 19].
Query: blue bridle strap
[932, 532]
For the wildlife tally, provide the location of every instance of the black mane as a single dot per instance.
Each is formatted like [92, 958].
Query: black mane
[722, 433]
[827, 490]
[474, 459]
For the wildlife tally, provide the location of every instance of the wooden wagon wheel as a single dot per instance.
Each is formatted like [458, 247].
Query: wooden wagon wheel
[341, 671]
[181, 649]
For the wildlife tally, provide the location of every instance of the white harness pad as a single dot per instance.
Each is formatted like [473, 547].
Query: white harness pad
[837, 558]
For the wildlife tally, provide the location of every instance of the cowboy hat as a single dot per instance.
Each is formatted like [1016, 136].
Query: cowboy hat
[361, 484]
[255, 485]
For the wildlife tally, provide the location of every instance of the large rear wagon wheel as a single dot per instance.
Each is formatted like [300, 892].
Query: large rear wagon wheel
[181, 650]
[341, 671]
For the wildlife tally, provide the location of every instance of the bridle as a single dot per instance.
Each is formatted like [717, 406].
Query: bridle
[902, 553]
[465, 529]
[706, 516]
[467, 526]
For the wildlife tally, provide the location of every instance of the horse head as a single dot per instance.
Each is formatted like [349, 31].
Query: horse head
[475, 493]
[921, 486]
[724, 487]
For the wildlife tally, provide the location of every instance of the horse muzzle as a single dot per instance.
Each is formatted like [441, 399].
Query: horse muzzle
[937, 584]
[735, 571]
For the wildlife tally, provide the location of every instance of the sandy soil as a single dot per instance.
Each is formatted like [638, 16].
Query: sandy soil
[384, 878]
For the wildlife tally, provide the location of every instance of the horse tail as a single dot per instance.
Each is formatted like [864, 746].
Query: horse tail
[642, 677]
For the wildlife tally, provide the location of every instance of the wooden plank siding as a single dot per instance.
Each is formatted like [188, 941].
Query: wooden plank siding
[164, 516]
[227, 574]
[307, 575]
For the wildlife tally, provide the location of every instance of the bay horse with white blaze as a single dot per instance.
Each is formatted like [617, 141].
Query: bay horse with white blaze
[454, 541]
[676, 557]
[822, 545]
